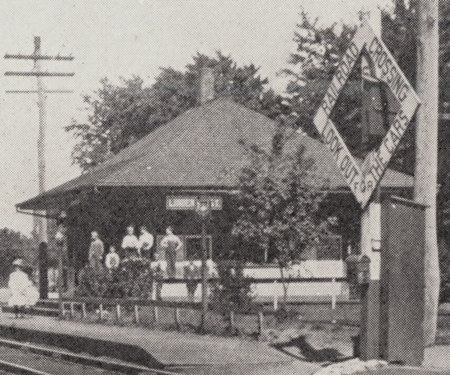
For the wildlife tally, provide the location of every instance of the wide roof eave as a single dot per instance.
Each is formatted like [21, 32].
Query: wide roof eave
[62, 200]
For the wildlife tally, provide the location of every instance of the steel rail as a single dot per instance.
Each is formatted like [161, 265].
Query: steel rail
[38, 57]
[19, 369]
[101, 363]
[40, 74]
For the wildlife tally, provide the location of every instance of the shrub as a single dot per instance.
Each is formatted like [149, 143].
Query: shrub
[232, 290]
[135, 278]
[92, 282]
[285, 314]
[132, 279]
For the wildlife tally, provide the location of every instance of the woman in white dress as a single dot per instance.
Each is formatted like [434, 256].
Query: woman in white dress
[23, 293]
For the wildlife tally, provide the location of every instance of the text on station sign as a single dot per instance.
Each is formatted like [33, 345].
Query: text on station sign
[174, 202]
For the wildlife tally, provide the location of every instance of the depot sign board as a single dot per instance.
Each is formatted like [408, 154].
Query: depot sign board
[189, 202]
[363, 179]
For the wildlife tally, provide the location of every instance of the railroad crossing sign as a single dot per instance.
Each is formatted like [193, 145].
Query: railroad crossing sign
[363, 179]
[186, 202]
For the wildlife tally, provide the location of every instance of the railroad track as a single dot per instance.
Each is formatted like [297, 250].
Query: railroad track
[15, 368]
[30, 359]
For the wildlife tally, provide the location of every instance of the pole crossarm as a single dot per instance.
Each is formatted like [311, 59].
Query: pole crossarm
[38, 57]
[36, 92]
[40, 74]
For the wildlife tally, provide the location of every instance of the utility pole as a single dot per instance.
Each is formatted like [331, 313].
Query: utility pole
[425, 176]
[39, 222]
[370, 231]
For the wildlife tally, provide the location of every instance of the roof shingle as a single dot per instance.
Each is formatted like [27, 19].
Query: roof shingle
[203, 148]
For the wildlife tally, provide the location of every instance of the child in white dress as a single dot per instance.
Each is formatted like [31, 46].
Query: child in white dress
[23, 293]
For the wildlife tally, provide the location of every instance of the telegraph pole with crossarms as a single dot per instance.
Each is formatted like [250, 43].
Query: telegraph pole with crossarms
[40, 223]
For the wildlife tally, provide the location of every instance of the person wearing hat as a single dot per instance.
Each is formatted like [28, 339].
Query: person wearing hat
[19, 284]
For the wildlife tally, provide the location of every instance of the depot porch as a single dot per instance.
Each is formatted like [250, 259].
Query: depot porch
[110, 210]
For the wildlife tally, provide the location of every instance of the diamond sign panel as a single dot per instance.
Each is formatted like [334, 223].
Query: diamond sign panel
[363, 179]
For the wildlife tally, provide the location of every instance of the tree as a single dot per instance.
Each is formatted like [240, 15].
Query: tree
[232, 291]
[120, 114]
[310, 70]
[278, 199]
[115, 114]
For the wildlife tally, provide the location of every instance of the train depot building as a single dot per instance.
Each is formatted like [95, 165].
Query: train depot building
[201, 153]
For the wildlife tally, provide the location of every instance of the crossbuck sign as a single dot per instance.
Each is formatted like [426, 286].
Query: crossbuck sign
[363, 179]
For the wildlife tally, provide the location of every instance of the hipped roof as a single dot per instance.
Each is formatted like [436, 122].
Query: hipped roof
[202, 148]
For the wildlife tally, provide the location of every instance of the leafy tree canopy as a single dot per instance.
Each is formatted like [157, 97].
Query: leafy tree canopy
[312, 66]
[121, 114]
[279, 197]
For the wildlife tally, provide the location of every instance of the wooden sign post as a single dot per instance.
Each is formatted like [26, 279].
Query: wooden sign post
[202, 205]
[364, 179]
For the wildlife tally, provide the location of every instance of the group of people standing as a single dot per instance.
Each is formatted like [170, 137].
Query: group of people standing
[134, 246]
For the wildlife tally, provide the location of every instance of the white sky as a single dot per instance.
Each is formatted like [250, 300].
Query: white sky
[116, 38]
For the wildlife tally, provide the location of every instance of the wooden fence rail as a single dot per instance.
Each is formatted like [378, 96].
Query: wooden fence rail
[136, 305]
[131, 302]
[80, 304]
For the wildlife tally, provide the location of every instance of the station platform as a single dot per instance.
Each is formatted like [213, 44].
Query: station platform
[186, 352]
[151, 348]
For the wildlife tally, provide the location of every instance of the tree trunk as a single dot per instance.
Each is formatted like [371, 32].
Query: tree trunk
[285, 287]
[425, 184]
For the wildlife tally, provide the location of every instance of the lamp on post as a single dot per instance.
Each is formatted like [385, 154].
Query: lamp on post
[60, 241]
[203, 210]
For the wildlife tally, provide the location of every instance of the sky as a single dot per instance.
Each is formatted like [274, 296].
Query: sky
[121, 38]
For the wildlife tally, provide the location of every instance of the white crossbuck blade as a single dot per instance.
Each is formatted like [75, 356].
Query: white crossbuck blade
[363, 179]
